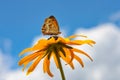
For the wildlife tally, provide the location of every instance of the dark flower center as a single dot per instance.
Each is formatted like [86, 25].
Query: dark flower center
[55, 37]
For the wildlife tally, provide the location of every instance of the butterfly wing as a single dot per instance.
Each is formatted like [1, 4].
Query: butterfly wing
[50, 26]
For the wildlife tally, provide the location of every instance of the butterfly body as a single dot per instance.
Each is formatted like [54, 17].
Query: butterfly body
[50, 26]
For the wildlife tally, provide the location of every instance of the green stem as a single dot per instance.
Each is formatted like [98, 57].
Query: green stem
[60, 65]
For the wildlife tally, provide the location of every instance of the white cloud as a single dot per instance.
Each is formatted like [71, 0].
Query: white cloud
[5, 64]
[115, 16]
[106, 55]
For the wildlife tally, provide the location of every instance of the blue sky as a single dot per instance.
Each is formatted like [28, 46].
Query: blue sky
[21, 20]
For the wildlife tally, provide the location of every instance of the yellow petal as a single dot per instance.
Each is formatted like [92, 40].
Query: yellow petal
[71, 65]
[74, 36]
[79, 60]
[25, 50]
[25, 64]
[35, 63]
[51, 40]
[80, 42]
[67, 51]
[29, 57]
[40, 45]
[72, 55]
[67, 59]
[69, 54]
[42, 41]
[89, 42]
[82, 52]
[46, 66]
[60, 39]
[55, 59]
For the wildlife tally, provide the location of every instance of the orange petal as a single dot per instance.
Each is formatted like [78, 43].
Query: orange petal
[25, 64]
[74, 36]
[69, 54]
[82, 52]
[67, 59]
[35, 63]
[55, 59]
[60, 39]
[25, 50]
[81, 42]
[51, 40]
[71, 65]
[91, 44]
[72, 55]
[29, 57]
[42, 43]
[39, 46]
[67, 51]
[79, 60]
[46, 66]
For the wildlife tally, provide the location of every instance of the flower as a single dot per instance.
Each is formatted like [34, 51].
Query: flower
[56, 47]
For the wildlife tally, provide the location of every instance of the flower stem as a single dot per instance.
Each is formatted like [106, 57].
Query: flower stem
[60, 65]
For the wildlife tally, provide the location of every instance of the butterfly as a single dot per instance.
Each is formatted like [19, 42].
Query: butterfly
[50, 26]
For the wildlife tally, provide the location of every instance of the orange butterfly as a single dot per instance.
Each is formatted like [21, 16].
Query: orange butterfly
[50, 26]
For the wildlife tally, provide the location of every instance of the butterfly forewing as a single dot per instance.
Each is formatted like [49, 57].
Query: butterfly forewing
[50, 26]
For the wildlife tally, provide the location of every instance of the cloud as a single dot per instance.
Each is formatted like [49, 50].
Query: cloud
[5, 64]
[115, 16]
[106, 55]
[5, 45]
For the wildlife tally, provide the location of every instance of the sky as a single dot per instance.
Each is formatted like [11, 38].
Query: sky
[20, 27]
